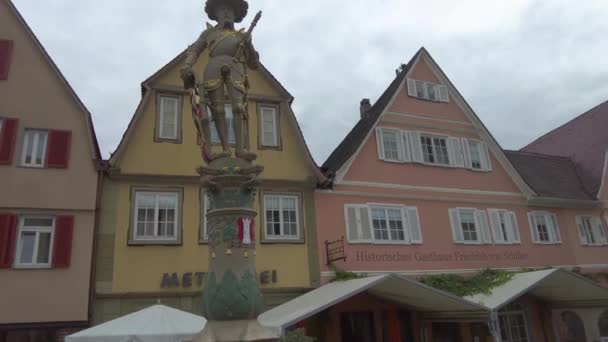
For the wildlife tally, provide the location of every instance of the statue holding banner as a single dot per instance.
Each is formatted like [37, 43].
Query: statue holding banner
[225, 77]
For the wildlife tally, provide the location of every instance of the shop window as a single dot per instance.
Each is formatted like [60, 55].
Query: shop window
[571, 327]
[602, 324]
[358, 327]
[513, 324]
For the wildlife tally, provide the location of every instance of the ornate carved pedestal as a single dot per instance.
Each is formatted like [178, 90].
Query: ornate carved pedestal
[232, 299]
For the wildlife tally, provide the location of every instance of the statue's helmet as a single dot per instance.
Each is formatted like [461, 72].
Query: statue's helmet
[240, 8]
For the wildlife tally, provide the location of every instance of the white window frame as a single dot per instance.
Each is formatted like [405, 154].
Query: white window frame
[163, 98]
[513, 233]
[446, 138]
[481, 225]
[275, 126]
[283, 236]
[26, 144]
[596, 230]
[403, 150]
[407, 222]
[508, 315]
[552, 228]
[17, 263]
[484, 155]
[229, 119]
[439, 90]
[386, 208]
[156, 237]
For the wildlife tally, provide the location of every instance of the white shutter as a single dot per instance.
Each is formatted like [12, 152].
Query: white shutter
[400, 145]
[366, 232]
[533, 229]
[512, 218]
[495, 225]
[407, 151]
[455, 224]
[481, 219]
[455, 150]
[581, 231]
[380, 143]
[485, 157]
[411, 88]
[443, 93]
[413, 221]
[352, 223]
[598, 231]
[466, 153]
[556, 236]
[416, 147]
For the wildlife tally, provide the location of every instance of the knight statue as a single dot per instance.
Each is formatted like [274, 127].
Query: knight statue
[225, 77]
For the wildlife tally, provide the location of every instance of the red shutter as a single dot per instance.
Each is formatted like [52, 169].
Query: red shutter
[8, 237]
[6, 54]
[62, 246]
[8, 135]
[58, 150]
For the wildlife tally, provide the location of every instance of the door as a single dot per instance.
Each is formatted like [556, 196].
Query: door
[446, 332]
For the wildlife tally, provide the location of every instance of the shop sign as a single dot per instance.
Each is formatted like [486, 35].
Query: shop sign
[195, 279]
[439, 257]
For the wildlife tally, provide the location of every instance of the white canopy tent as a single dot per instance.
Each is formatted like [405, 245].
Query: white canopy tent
[399, 289]
[559, 287]
[154, 324]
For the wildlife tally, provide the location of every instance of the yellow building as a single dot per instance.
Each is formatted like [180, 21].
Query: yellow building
[150, 241]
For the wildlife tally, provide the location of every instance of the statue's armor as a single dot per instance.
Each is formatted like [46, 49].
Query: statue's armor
[223, 46]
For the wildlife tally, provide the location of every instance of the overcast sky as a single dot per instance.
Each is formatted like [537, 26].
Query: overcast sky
[524, 66]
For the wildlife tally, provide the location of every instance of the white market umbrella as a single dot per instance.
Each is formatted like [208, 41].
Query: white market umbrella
[154, 324]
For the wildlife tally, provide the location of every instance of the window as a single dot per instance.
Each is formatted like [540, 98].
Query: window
[427, 91]
[156, 216]
[282, 215]
[504, 226]
[35, 241]
[591, 231]
[6, 52]
[169, 117]
[269, 128]
[215, 138]
[469, 226]
[513, 324]
[435, 149]
[392, 144]
[382, 224]
[34, 148]
[476, 155]
[544, 228]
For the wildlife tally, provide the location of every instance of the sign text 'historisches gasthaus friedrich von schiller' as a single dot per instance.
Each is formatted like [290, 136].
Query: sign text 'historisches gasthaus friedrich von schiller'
[475, 256]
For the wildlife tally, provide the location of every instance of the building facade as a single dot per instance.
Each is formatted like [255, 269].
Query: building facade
[48, 191]
[151, 243]
[419, 186]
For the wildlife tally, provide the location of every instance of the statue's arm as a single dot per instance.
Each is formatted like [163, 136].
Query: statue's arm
[192, 54]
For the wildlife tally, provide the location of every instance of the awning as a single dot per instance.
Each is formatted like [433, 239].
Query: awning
[399, 289]
[558, 287]
[154, 324]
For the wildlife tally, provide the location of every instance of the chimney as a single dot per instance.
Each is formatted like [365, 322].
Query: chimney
[365, 107]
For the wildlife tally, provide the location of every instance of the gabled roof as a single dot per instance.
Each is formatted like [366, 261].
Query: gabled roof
[584, 139]
[147, 85]
[549, 176]
[94, 146]
[357, 135]
[347, 150]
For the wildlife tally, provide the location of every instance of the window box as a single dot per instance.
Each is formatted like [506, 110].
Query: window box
[544, 228]
[282, 218]
[382, 224]
[156, 216]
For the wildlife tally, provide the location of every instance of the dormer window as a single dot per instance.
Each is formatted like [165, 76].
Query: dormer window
[427, 91]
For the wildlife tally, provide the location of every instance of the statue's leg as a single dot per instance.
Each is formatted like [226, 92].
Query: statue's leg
[239, 122]
[219, 116]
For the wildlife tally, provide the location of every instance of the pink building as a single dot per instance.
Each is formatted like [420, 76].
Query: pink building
[420, 186]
